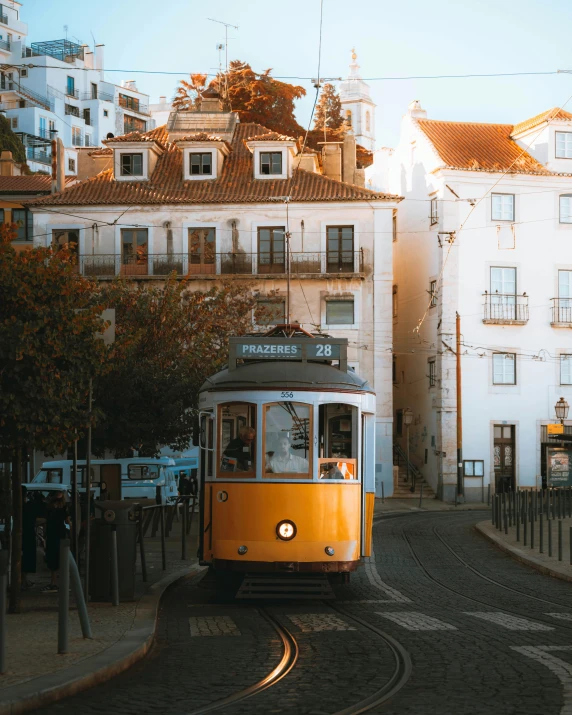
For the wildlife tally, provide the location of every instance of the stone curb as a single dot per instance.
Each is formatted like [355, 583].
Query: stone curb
[132, 646]
[488, 531]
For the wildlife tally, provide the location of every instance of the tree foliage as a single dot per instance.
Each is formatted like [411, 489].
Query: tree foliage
[328, 109]
[10, 142]
[168, 340]
[188, 95]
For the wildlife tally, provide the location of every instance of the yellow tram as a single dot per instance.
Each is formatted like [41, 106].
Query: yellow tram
[287, 459]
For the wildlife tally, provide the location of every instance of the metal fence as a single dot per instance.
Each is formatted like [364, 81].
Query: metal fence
[499, 307]
[561, 310]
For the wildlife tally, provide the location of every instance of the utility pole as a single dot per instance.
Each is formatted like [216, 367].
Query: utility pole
[460, 489]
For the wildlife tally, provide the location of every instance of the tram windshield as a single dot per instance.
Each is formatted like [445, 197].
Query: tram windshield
[287, 443]
[338, 441]
[237, 439]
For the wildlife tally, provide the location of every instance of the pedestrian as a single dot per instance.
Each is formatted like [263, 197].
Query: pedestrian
[57, 528]
[33, 511]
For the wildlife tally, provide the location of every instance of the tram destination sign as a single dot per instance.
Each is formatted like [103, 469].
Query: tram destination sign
[297, 348]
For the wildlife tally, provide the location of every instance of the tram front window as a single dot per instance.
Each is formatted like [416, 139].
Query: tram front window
[237, 439]
[338, 441]
[287, 444]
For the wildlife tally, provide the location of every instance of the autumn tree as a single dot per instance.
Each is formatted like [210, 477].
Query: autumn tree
[168, 340]
[328, 109]
[49, 318]
[188, 95]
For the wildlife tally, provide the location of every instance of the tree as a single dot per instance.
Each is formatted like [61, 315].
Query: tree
[329, 109]
[168, 340]
[188, 95]
[10, 142]
[49, 318]
[259, 98]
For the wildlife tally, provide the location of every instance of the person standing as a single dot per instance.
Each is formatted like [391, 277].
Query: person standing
[57, 528]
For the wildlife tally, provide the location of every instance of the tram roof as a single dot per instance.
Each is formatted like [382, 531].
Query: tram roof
[282, 374]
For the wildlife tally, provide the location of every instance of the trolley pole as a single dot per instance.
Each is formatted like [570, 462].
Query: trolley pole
[460, 489]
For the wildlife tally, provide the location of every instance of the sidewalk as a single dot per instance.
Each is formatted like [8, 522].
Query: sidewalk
[121, 634]
[532, 557]
[397, 506]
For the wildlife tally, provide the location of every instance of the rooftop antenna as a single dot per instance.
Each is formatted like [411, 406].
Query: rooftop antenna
[219, 47]
[66, 31]
[93, 38]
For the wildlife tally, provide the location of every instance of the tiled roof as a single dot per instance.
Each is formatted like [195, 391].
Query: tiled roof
[479, 147]
[200, 137]
[35, 184]
[101, 151]
[271, 137]
[159, 135]
[235, 184]
[550, 115]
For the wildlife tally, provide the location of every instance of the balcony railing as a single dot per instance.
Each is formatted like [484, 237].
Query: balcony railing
[104, 96]
[136, 106]
[183, 264]
[505, 309]
[71, 110]
[4, 45]
[561, 311]
[48, 133]
[34, 153]
[72, 93]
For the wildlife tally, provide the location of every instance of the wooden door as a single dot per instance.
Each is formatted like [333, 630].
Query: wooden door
[504, 457]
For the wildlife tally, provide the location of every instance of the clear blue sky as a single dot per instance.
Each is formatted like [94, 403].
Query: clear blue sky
[410, 37]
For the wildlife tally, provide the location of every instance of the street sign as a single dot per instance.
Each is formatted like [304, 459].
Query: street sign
[555, 429]
[297, 348]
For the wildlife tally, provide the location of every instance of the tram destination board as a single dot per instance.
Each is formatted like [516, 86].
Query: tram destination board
[325, 349]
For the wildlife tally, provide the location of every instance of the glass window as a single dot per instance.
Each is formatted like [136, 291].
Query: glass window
[394, 225]
[287, 440]
[271, 250]
[394, 302]
[76, 136]
[237, 440]
[340, 249]
[339, 312]
[432, 373]
[71, 165]
[202, 250]
[502, 207]
[566, 369]
[131, 164]
[338, 441]
[474, 467]
[200, 164]
[433, 294]
[564, 145]
[143, 471]
[62, 238]
[271, 312]
[566, 209]
[504, 369]
[271, 162]
[22, 217]
[434, 216]
[134, 249]
[49, 476]
[70, 86]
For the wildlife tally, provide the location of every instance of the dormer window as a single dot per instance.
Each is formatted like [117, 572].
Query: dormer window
[201, 164]
[271, 162]
[564, 145]
[131, 164]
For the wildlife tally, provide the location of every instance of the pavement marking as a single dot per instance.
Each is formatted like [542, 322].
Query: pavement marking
[213, 626]
[560, 668]
[375, 580]
[311, 622]
[511, 623]
[561, 616]
[414, 621]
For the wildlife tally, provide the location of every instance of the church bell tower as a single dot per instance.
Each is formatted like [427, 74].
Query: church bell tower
[358, 109]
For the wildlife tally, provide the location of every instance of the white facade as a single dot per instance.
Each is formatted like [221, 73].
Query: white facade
[58, 90]
[160, 111]
[358, 109]
[512, 241]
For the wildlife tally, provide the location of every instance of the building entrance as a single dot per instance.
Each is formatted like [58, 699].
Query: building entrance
[504, 453]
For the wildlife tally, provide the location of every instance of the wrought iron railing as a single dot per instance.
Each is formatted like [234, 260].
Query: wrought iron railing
[72, 93]
[505, 308]
[38, 154]
[561, 310]
[136, 106]
[206, 263]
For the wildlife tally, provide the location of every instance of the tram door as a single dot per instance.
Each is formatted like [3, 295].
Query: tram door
[206, 462]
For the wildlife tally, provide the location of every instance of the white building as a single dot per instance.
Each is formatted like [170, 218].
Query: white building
[206, 198]
[358, 109]
[58, 89]
[485, 231]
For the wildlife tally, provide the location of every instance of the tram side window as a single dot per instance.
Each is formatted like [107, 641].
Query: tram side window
[287, 440]
[206, 445]
[338, 436]
[237, 439]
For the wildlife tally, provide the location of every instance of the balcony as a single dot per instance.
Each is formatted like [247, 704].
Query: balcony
[561, 312]
[4, 45]
[103, 96]
[48, 133]
[39, 154]
[216, 264]
[505, 309]
[71, 110]
[73, 93]
[132, 104]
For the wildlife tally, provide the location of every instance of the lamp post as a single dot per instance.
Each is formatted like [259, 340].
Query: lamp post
[561, 408]
[407, 420]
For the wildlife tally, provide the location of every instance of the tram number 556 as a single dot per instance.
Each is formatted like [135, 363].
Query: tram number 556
[286, 395]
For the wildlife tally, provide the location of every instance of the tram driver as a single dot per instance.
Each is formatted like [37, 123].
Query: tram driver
[238, 453]
[283, 461]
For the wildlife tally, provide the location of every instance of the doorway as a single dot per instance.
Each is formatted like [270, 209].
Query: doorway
[504, 456]
[111, 475]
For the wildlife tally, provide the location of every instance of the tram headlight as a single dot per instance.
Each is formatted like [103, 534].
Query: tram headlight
[329, 550]
[286, 530]
[242, 550]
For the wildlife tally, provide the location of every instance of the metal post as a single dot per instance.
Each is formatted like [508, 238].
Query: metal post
[531, 513]
[518, 527]
[524, 530]
[570, 544]
[540, 534]
[64, 596]
[142, 546]
[163, 556]
[492, 505]
[184, 531]
[88, 494]
[79, 599]
[407, 478]
[553, 499]
[114, 568]
[382, 494]
[3, 587]
[504, 514]
[549, 525]
[505, 522]
[534, 504]
[421, 495]
[75, 520]
[559, 540]
[488, 493]
[460, 485]
[510, 509]
[191, 512]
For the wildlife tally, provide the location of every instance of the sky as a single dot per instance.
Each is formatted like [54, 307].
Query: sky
[392, 39]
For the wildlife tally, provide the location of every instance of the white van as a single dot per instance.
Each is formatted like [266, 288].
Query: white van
[133, 478]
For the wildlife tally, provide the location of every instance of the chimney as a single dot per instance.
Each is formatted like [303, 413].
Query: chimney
[415, 110]
[6, 164]
[88, 59]
[349, 158]
[130, 84]
[99, 57]
[162, 99]
[58, 166]
[332, 161]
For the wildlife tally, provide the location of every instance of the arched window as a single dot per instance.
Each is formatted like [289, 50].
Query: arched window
[349, 117]
[367, 122]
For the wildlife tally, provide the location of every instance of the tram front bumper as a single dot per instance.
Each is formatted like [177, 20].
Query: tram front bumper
[285, 566]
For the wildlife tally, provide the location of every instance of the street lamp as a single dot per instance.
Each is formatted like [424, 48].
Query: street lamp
[407, 420]
[561, 408]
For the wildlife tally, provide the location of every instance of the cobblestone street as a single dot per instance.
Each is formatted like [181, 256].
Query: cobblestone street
[483, 633]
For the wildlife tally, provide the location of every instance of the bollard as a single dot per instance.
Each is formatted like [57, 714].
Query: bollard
[142, 546]
[549, 525]
[163, 556]
[488, 494]
[540, 534]
[184, 531]
[524, 531]
[559, 505]
[64, 596]
[570, 544]
[3, 586]
[114, 568]
[505, 523]
[492, 505]
[79, 599]
[382, 493]
[517, 529]
[553, 500]
[421, 495]
[559, 540]
[531, 513]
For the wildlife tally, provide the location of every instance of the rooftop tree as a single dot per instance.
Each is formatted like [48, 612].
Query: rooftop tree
[328, 109]
[188, 95]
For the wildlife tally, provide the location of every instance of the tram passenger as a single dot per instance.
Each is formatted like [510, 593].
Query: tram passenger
[238, 453]
[283, 461]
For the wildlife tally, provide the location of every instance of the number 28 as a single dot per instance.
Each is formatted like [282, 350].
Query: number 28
[323, 350]
[287, 395]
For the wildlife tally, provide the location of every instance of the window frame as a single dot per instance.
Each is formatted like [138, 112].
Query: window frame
[433, 293]
[26, 227]
[289, 476]
[70, 86]
[432, 363]
[201, 155]
[434, 211]
[271, 154]
[275, 302]
[140, 259]
[569, 197]
[569, 134]
[504, 354]
[566, 358]
[71, 164]
[507, 220]
[474, 462]
[130, 155]
[340, 251]
[218, 473]
[341, 300]
[394, 304]
[272, 252]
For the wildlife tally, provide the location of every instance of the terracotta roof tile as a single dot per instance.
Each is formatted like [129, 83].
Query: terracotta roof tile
[550, 115]
[271, 137]
[479, 147]
[159, 135]
[235, 184]
[200, 137]
[37, 183]
[101, 151]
